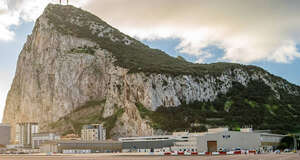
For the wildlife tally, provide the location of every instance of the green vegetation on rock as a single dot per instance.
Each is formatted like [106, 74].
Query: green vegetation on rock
[89, 113]
[83, 50]
[144, 112]
[110, 122]
[241, 106]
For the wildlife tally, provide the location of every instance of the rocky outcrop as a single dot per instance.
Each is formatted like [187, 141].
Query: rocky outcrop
[58, 72]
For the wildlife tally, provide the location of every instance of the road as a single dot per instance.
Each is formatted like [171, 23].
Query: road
[290, 156]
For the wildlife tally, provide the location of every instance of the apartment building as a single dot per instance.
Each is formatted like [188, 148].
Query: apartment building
[24, 133]
[93, 132]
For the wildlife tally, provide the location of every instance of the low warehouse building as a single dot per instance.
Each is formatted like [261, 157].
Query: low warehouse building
[80, 147]
[218, 139]
[247, 140]
[146, 144]
[223, 139]
[227, 140]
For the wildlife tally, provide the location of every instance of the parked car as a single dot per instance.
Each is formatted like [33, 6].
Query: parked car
[287, 150]
[277, 151]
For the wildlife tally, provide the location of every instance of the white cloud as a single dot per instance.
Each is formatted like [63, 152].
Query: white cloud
[247, 30]
[13, 12]
[4, 87]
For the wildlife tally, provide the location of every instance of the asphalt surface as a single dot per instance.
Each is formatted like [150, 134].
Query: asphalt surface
[288, 156]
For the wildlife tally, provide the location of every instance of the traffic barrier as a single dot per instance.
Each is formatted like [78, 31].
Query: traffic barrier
[207, 153]
[230, 153]
[222, 153]
[168, 153]
[160, 153]
[201, 153]
[215, 153]
[174, 153]
[180, 153]
[194, 153]
[187, 153]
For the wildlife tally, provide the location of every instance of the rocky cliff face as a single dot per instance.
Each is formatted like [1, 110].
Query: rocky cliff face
[58, 71]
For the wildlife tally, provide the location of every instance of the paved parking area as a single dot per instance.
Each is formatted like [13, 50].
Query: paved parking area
[290, 156]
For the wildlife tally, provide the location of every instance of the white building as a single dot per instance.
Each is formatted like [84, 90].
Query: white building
[93, 132]
[147, 144]
[24, 132]
[215, 139]
[40, 138]
[210, 141]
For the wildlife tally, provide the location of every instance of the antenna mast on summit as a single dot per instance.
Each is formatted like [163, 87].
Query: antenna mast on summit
[67, 2]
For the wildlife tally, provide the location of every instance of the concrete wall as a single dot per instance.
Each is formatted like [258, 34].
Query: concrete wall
[229, 140]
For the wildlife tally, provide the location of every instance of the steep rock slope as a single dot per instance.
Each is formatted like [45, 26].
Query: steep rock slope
[74, 63]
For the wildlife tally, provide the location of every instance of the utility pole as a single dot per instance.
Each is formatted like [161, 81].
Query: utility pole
[295, 143]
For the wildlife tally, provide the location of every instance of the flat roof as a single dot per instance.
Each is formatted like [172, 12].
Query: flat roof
[28, 123]
[4, 125]
[82, 142]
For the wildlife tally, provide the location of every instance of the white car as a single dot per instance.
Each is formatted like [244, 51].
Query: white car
[187, 153]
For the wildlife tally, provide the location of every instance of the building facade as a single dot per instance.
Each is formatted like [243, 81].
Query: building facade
[228, 140]
[147, 144]
[4, 134]
[81, 147]
[24, 132]
[246, 139]
[218, 139]
[93, 132]
[40, 138]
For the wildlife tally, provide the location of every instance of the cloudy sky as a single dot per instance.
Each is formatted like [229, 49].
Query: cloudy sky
[260, 32]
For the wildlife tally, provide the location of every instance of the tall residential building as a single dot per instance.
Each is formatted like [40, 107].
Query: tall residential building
[24, 133]
[4, 134]
[93, 132]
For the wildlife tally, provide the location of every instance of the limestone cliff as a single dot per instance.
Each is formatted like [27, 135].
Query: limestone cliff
[73, 58]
